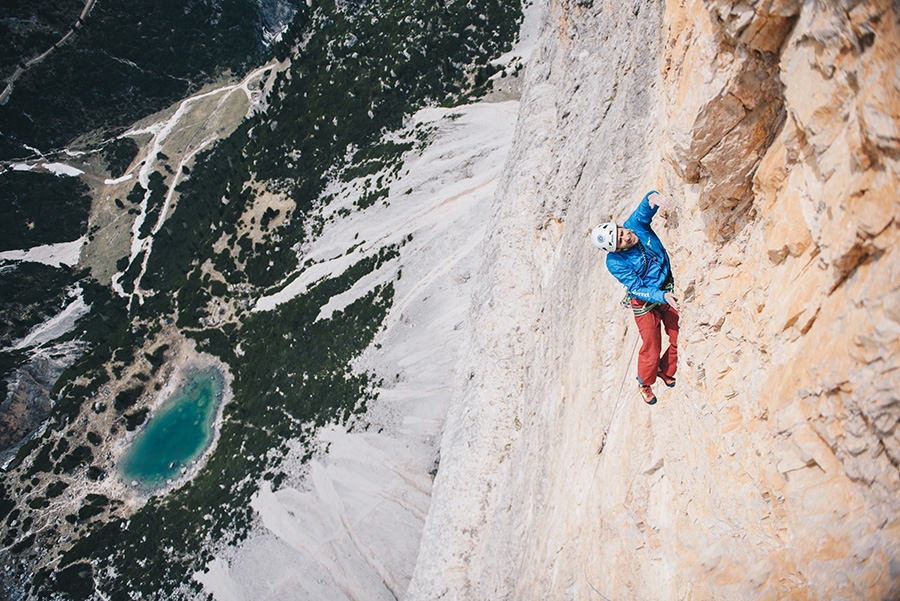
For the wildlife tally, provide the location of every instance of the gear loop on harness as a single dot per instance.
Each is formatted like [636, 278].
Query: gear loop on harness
[645, 306]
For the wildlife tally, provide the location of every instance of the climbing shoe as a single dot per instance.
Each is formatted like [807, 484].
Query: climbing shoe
[647, 395]
[667, 380]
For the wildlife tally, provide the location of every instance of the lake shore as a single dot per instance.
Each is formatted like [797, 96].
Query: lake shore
[178, 434]
[184, 362]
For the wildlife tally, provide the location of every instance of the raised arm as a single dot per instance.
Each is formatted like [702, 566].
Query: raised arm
[643, 214]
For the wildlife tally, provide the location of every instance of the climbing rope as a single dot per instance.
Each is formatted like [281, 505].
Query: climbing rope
[603, 444]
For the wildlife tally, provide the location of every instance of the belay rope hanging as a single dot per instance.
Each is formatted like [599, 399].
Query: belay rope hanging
[603, 443]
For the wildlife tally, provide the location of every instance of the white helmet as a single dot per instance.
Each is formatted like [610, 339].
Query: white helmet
[604, 236]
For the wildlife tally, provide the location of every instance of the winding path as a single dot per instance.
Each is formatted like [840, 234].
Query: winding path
[4, 96]
[160, 131]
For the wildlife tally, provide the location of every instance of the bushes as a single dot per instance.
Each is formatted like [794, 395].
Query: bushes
[157, 357]
[106, 330]
[129, 275]
[81, 455]
[271, 399]
[128, 397]
[23, 544]
[61, 447]
[30, 28]
[155, 202]
[6, 503]
[268, 216]
[118, 155]
[188, 234]
[76, 580]
[136, 196]
[41, 462]
[29, 294]
[135, 419]
[55, 489]
[355, 80]
[41, 208]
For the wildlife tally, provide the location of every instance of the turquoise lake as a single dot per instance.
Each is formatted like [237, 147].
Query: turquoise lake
[177, 434]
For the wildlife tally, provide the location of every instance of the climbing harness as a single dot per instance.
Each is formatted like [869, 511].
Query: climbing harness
[602, 444]
[642, 307]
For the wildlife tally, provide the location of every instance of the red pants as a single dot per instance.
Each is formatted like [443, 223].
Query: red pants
[649, 358]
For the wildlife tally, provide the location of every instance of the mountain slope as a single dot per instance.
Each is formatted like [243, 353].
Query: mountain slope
[211, 243]
[771, 470]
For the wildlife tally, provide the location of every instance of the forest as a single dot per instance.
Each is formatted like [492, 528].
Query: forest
[357, 71]
[41, 208]
[127, 59]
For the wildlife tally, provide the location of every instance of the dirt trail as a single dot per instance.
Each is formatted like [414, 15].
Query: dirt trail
[183, 119]
[4, 96]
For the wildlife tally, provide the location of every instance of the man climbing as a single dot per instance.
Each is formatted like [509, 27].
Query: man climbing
[638, 260]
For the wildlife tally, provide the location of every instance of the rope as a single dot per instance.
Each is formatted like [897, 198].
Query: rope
[603, 444]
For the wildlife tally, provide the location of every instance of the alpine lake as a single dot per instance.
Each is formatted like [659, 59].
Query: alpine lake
[177, 434]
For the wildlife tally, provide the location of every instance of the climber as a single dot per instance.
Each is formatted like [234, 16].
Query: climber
[638, 260]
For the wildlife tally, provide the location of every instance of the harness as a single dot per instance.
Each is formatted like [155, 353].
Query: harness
[640, 307]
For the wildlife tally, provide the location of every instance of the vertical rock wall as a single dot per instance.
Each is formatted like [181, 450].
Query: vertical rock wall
[771, 470]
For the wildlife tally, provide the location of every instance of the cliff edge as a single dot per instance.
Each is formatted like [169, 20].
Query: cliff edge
[771, 470]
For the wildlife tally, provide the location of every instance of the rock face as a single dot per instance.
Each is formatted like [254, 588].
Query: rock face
[771, 470]
[28, 402]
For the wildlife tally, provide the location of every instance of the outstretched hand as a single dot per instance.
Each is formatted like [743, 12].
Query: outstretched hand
[672, 301]
[659, 200]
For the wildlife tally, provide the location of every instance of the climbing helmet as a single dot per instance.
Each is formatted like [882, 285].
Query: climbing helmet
[604, 236]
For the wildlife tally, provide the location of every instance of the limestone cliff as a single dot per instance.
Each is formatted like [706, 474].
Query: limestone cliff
[771, 470]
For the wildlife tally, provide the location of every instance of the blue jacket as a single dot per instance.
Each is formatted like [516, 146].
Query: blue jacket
[644, 269]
